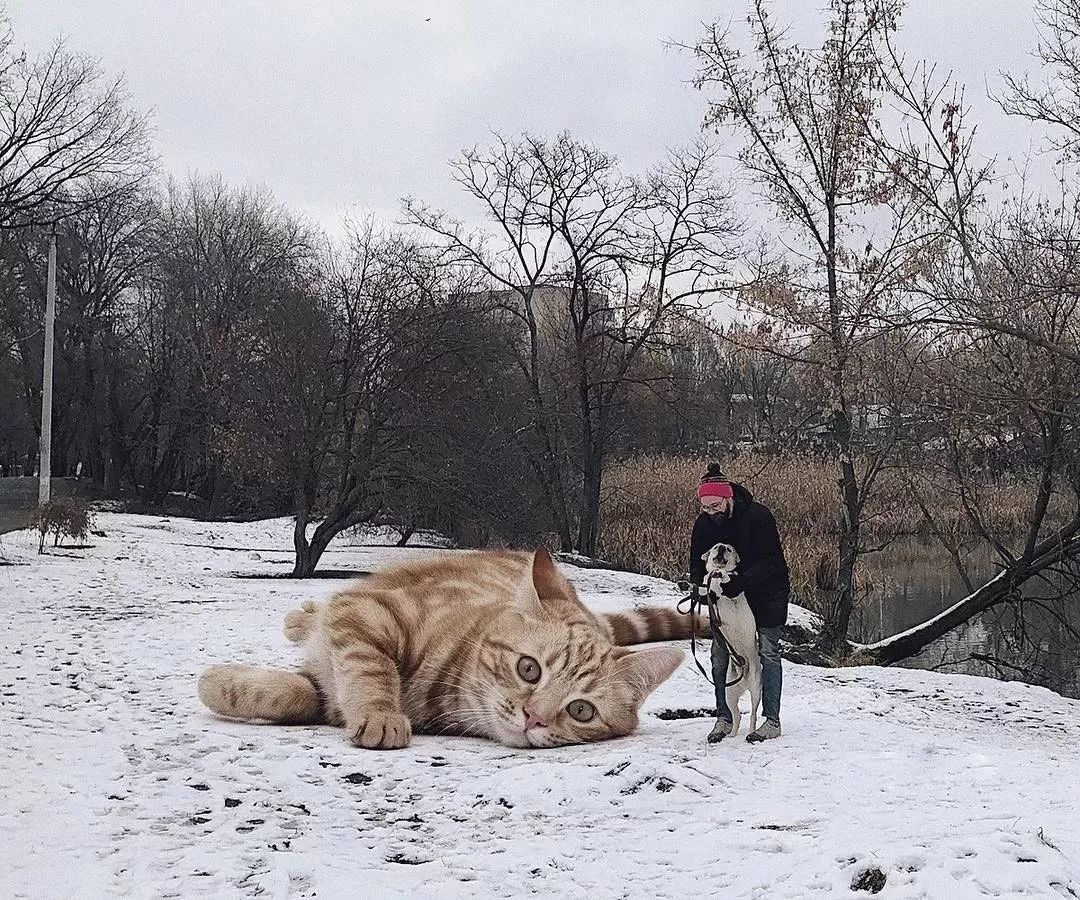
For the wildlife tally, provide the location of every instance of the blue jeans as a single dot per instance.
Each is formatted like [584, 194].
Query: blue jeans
[772, 674]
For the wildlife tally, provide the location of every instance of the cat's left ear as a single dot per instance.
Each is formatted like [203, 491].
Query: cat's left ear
[646, 670]
[546, 577]
[526, 599]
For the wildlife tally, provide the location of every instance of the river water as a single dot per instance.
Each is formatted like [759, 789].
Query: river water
[912, 580]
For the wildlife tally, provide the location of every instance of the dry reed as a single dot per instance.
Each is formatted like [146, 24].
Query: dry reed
[649, 509]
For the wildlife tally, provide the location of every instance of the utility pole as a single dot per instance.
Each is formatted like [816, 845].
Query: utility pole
[45, 454]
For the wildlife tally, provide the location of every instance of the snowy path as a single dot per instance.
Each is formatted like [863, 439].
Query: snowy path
[116, 782]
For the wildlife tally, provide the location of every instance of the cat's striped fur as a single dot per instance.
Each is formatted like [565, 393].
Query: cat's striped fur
[448, 644]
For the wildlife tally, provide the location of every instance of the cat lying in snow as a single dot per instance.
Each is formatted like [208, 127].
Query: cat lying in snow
[488, 643]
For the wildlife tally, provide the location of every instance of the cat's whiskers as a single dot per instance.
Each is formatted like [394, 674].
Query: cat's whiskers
[459, 680]
[459, 711]
[467, 723]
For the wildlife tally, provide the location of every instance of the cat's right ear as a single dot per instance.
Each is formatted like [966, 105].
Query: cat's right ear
[526, 599]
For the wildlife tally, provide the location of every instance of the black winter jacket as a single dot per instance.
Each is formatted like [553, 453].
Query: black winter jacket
[762, 573]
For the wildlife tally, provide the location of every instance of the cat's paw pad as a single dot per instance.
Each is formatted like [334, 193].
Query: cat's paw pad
[383, 731]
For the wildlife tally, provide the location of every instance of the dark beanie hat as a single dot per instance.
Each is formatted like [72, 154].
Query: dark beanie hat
[713, 472]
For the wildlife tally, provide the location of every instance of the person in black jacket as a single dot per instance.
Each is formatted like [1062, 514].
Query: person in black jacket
[731, 515]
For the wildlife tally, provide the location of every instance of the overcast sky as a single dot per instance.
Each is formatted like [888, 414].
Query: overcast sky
[339, 104]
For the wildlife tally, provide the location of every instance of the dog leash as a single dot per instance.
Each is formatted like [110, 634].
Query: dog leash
[714, 626]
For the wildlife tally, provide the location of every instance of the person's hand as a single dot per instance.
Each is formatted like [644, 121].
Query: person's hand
[732, 587]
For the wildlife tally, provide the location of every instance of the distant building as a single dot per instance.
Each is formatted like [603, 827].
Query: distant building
[551, 310]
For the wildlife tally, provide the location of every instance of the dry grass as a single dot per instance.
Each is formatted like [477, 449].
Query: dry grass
[649, 509]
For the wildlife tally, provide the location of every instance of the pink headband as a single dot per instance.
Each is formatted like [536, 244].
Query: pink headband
[718, 489]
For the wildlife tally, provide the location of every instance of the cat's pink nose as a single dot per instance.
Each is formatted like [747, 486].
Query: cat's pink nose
[532, 719]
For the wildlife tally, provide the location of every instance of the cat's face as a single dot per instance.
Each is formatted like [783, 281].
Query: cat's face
[548, 685]
[547, 682]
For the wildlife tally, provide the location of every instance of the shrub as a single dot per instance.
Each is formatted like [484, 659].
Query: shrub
[66, 518]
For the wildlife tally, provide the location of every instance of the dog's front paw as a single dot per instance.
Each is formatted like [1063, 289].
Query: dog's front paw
[382, 731]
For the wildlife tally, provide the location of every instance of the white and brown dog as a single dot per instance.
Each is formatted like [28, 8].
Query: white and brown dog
[739, 629]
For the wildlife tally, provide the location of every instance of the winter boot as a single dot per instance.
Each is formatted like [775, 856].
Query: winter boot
[766, 731]
[720, 730]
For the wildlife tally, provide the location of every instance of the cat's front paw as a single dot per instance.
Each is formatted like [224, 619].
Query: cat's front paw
[383, 731]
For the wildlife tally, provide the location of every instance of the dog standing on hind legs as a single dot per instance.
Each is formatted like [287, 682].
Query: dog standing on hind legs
[734, 625]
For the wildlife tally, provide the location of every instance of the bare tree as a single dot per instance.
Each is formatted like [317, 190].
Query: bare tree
[933, 158]
[103, 245]
[593, 265]
[221, 256]
[325, 407]
[808, 119]
[1007, 403]
[1057, 103]
[63, 122]
[349, 436]
[995, 290]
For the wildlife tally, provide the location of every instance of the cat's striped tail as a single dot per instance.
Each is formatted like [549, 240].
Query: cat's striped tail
[247, 692]
[652, 623]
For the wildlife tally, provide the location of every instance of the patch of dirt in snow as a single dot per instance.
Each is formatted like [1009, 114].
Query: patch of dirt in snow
[117, 782]
[871, 880]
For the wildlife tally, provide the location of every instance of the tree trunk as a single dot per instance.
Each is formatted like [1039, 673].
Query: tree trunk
[557, 501]
[117, 456]
[837, 615]
[1064, 545]
[343, 515]
[308, 553]
[306, 556]
[406, 532]
[589, 523]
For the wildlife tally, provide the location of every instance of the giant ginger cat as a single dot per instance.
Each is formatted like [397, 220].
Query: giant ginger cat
[493, 644]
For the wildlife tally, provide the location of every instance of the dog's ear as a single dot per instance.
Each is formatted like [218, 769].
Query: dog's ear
[705, 556]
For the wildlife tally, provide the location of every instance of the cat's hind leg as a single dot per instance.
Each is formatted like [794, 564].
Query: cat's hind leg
[300, 623]
[247, 692]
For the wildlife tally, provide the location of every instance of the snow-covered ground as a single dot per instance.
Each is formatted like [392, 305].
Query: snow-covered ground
[114, 781]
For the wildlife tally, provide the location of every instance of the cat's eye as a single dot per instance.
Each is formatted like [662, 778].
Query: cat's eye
[582, 710]
[529, 669]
